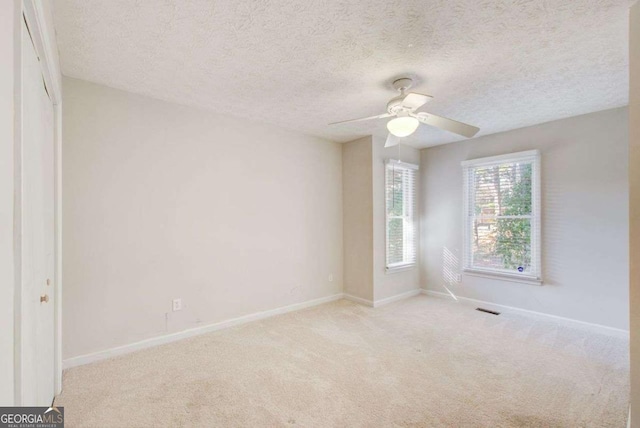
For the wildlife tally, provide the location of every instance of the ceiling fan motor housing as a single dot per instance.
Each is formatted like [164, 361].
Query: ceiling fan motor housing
[394, 106]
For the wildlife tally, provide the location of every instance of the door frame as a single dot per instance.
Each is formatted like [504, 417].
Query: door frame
[39, 17]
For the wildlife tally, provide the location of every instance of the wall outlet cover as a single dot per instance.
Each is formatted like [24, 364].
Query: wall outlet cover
[176, 305]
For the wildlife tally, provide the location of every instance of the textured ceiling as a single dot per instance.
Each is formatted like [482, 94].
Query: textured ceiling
[301, 64]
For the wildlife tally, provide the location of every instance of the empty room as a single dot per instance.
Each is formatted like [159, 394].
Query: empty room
[320, 213]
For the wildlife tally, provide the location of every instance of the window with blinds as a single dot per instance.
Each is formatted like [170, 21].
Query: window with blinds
[502, 215]
[400, 197]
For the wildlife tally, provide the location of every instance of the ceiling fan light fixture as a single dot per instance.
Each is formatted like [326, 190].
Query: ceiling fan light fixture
[403, 126]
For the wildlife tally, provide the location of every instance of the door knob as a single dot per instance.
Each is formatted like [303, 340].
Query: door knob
[44, 298]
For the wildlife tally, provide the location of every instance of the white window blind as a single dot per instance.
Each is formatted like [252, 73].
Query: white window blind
[401, 230]
[502, 215]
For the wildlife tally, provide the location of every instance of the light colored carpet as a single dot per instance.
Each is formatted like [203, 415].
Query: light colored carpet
[422, 362]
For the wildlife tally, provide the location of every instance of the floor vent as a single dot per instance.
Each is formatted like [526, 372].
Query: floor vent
[488, 311]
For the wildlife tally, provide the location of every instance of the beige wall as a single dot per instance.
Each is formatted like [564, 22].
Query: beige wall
[584, 218]
[634, 201]
[358, 218]
[389, 284]
[163, 201]
[9, 15]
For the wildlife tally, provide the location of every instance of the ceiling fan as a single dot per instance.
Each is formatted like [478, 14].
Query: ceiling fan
[406, 118]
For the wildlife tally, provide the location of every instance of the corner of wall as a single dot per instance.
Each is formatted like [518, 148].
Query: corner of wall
[357, 218]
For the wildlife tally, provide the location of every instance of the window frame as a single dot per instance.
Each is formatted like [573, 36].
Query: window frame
[535, 277]
[411, 217]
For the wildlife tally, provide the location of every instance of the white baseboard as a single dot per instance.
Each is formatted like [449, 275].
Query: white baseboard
[168, 338]
[357, 299]
[503, 308]
[160, 340]
[406, 295]
[382, 302]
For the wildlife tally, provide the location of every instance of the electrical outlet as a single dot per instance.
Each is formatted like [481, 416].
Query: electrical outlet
[177, 305]
[459, 277]
[330, 278]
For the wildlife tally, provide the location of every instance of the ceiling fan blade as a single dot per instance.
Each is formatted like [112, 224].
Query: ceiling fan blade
[392, 140]
[447, 124]
[414, 101]
[380, 116]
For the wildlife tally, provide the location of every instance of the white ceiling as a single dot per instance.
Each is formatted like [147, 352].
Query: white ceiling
[499, 65]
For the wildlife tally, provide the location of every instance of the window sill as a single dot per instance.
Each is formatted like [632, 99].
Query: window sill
[399, 268]
[524, 279]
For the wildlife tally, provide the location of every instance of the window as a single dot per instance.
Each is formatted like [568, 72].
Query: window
[400, 197]
[502, 215]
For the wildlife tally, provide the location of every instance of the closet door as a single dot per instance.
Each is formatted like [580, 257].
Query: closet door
[37, 202]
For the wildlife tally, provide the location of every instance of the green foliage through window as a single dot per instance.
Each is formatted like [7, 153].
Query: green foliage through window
[501, 204]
